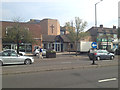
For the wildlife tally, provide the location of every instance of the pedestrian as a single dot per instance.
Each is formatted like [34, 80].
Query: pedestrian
[40, 54]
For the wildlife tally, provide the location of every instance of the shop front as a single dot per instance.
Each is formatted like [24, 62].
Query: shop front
[24, 47]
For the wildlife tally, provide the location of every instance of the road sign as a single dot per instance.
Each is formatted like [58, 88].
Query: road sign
[94, 45]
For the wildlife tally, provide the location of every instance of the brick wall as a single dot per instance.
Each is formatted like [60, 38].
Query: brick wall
[50, 27]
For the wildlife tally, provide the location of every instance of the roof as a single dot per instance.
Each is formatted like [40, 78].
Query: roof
[53, 38]
[94, 30]
[48, 38]
[65, 38]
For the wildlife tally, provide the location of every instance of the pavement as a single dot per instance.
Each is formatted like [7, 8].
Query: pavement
[63, 61]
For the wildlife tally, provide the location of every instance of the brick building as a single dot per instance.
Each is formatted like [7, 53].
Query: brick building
[98, 35]
[27, 47]
[38, 29]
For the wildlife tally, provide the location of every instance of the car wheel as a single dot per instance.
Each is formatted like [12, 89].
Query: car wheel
[27, 62]
[112, 57]
[21, 54]
[37, 54]
[98, 58]
[1, 63]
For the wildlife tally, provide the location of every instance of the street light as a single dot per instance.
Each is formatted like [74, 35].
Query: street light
[96, 13]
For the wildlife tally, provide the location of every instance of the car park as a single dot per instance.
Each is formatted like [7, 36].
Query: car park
[100, 55]
[14, 58]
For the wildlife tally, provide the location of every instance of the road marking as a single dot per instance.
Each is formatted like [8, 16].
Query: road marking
[106, 80]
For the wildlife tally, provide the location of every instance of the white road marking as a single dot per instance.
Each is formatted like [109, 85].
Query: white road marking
[106, 80]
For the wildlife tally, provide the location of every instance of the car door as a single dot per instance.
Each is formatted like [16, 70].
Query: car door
[6, 57]
[15, 58]
[105, 55]
[101, 54]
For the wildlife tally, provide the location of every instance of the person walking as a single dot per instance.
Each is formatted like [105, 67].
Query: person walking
[40, 53]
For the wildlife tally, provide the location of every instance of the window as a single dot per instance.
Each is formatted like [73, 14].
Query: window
[27, 29]
[7, 28]
[71, 45]
[13, 54]
[5, 54]
[114, 35]
[100, 34]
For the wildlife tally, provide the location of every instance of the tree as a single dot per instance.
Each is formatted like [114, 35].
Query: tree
[77, 34]
[18, 33]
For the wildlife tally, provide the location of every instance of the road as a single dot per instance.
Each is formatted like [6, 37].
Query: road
[102, 77]
[62, 62]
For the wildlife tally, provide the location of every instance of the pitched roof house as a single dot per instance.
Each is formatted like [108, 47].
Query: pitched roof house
[98, 35]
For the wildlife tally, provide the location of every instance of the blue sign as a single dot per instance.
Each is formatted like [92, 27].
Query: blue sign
[94, 45]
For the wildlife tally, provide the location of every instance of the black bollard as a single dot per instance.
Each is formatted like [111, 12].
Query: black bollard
[94, 58]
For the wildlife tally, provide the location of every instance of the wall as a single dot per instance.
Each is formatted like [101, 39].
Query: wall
[46, 27]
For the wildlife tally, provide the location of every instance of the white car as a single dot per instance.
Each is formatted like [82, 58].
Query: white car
[14, 58]
[36, 52]
[12, 50]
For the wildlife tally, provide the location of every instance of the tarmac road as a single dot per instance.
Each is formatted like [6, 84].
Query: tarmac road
[62, 62]
[101, 77]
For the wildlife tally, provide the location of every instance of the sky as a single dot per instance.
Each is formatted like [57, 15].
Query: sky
[62, 10]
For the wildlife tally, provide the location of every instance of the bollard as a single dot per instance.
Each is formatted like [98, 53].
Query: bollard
[94, 58]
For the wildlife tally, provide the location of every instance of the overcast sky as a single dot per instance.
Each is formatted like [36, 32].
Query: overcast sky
[63, 10]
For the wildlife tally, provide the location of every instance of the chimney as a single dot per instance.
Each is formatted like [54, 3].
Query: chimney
[114, 27]
[101, 26]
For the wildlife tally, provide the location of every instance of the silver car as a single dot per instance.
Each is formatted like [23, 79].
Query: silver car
[14, 58]
[12, 50]
[100, 55]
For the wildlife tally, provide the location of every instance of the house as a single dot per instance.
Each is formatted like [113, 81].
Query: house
[104, 36]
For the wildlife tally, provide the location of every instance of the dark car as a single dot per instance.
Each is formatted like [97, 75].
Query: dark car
[100, 55]
[116, 51]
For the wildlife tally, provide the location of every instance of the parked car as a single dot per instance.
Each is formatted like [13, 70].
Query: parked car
[7, 57]
[12, 50]
[36, 52]
[113, 50]
[100, 55]
[116, 51]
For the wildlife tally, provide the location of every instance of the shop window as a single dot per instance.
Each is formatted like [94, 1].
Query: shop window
[71, 45]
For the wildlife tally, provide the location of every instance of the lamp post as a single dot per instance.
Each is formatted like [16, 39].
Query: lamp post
[96, 13]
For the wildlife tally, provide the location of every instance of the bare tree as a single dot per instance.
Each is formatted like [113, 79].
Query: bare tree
[18, 34]
[77, 34]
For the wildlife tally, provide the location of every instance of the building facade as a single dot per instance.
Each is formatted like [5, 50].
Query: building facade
[26, 47]
[50, 27]
[38, 28]
[104, 36]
